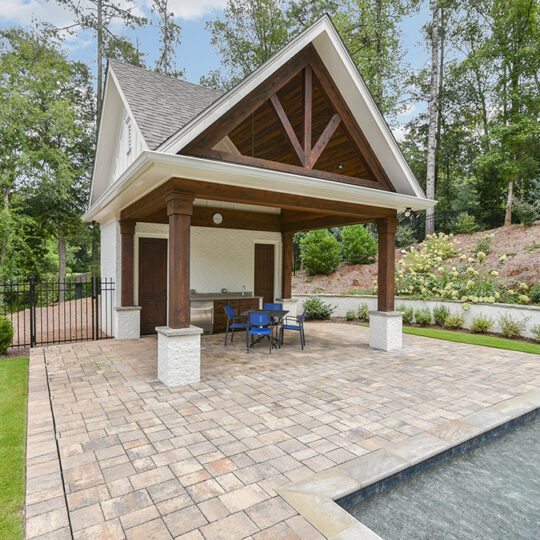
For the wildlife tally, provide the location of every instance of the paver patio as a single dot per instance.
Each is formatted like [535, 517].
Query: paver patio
[140, 460]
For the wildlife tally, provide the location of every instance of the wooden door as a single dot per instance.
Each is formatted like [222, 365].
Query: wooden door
[264, 272]
[152, 283]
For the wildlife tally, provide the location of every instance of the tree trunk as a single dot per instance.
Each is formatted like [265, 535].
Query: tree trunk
[509, 199]
[99, 31]
[61, 263]
[5, 209]
[433, 108]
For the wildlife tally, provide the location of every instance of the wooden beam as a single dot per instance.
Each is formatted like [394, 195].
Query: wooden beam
[284, 167]
[386, 230]
[308, 102]
[288, 129]
[323, 140]
[259, 197]
[323, 223]
[179, 209]
[127, 239]
[286, 264]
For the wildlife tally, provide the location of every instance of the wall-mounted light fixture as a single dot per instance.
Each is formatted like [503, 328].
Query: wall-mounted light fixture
[217, 218]
[92, 225]
[408, 212]
[340, 165]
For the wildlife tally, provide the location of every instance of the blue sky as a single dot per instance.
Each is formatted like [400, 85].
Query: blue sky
[195, 54]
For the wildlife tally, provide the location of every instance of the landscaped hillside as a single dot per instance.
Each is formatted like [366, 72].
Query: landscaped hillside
[520, 245]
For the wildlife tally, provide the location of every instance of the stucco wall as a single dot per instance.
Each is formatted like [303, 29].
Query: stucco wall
[344, 303]
[220, 258]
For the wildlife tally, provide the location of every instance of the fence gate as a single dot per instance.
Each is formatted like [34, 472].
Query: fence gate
[49, 312]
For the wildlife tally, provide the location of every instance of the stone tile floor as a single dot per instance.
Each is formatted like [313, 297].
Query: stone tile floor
[140, 460]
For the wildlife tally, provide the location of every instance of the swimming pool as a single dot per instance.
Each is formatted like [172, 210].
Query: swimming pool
[491, 492]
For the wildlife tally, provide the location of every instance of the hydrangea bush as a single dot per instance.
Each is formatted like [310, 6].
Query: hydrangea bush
[439, 268]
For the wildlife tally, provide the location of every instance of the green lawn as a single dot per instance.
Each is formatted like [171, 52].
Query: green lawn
[474, 339]
[13, 395]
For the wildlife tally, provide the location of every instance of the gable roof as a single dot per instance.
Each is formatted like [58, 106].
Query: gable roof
[160, 104]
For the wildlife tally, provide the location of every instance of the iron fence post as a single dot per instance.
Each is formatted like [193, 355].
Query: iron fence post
[32, 290]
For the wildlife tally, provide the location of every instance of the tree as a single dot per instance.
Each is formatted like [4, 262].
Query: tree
[320, 252]
[101, 16]
[433, 115]
[359, 246]
[170, 34]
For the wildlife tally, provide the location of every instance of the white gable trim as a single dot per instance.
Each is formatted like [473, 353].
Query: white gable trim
[329, 45]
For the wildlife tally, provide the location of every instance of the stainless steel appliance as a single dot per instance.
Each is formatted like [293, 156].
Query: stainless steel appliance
[202, 314]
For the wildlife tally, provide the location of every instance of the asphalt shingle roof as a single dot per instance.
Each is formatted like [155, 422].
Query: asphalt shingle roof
[161, 104]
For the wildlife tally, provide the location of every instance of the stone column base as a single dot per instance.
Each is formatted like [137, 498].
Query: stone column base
[386, 330]
[179, 355]
[289, 304]
[128, 322]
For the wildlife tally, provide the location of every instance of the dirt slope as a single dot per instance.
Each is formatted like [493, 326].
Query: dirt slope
[522, 264]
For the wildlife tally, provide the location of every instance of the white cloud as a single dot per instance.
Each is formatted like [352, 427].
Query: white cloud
[194, 9]
[408, 111]
[23, 12]
[399, 132]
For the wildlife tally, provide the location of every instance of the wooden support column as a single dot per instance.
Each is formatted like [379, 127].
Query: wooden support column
[127, 236]
[286, 264]
[386, 229]
[179, 210]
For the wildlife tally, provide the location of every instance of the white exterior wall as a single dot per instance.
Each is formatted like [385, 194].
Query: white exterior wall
[220, 258]
[346, 303]
[111, 269]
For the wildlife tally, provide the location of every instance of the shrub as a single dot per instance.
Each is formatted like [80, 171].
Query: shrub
[534, 293]
[536, 332]
[440, 313]
[317, 309]
[405, 236]
[423, 316]
[320, 252]
[408, 314]
[454, 322]
[6, 334]
[481, 325]
[363, 312]
[359, 246]
[351, 315]
[466, 224]
[483, 245]
[510, 327]
[526, 212]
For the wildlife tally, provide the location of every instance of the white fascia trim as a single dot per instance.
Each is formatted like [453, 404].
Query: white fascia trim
[198, 124]
[167, 166]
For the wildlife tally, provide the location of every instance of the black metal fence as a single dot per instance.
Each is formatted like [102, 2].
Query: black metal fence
[49, 312]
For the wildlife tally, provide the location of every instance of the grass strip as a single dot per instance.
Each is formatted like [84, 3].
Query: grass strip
[474, 339]
[13, 399]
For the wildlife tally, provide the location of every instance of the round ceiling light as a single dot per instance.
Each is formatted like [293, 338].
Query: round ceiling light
[217, 218]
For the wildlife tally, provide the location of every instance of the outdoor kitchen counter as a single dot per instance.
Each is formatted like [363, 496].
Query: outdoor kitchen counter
[222, 296]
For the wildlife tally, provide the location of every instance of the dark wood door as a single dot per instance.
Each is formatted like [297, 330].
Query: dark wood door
[264, 271]
[152, 283]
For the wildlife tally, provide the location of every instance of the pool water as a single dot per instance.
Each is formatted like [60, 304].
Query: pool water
[491, 492]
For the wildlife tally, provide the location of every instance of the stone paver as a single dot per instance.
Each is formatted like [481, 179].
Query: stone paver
[140, 460]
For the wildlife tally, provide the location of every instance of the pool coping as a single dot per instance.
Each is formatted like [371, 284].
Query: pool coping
[315, 497]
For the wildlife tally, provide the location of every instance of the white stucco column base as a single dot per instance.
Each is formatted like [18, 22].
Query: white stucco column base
[128, 322]
[290, 305]
[386, 330]
[179, 355]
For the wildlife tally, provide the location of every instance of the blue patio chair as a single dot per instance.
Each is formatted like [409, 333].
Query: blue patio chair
[259, 325]
[294, 323]
[275, 323]
[232, 317]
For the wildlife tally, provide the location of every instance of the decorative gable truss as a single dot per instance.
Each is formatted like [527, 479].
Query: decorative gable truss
[296, 121]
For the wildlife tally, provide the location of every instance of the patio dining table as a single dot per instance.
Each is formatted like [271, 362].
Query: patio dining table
[275, 315]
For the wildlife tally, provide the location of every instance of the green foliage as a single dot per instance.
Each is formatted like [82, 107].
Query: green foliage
[481, 325]
[536, 332]
[454, 322]
[6, 334]
[405, 236]
[466, 224]
[440, 313]
[363, 312]
[527, 212]
[359, 246]
[320, 252]
[351, 315]
[483, 245]
[534, 293]
[408, 314]
[511, 327]
[317, 309]
[422, 316]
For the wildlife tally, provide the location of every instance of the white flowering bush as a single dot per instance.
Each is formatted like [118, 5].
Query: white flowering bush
[439, 268]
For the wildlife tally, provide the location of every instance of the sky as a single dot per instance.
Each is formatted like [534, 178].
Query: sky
[195, 54]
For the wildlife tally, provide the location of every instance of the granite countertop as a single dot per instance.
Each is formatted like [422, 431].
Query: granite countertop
[222, 296]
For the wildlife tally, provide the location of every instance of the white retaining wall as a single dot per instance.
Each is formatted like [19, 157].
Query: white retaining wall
[350, 302]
